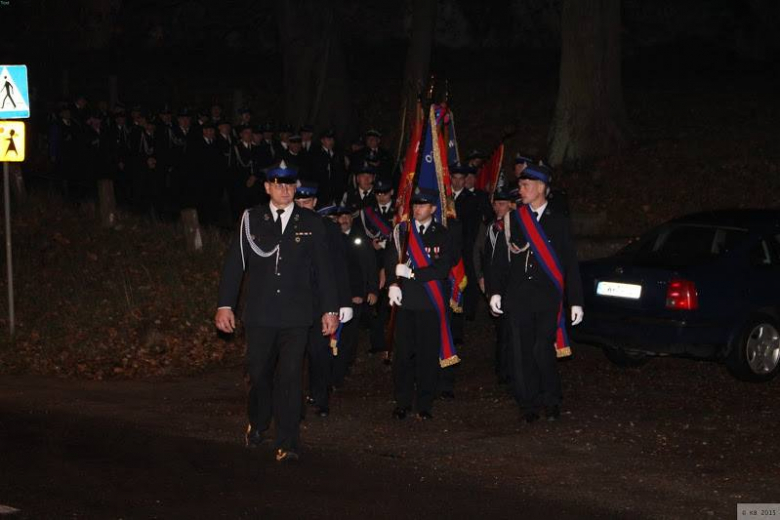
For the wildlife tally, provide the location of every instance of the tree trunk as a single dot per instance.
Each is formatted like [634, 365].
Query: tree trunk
[418, 60]
[316, 83]
[590, 119]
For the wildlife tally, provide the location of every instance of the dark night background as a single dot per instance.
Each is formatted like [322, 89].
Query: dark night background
[194, 52]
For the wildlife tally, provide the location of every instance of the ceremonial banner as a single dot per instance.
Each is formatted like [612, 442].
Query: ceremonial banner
[488, 175]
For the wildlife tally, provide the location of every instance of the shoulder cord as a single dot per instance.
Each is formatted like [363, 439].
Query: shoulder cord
[259, 252]
[241, 161]
[512, 249]
[370, 235]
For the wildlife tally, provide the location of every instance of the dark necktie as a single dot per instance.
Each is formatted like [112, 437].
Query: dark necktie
[422, 229]
[279, 220]
[536, 215]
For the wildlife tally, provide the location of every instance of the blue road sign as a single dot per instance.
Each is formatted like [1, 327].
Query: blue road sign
[14, 95]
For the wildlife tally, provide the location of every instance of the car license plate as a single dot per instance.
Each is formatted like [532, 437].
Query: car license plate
[619, 290]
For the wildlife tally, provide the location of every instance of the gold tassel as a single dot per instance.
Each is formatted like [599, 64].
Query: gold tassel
[563, 352]
[444, 363]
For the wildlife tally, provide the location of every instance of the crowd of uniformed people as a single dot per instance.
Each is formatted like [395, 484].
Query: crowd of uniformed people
[317, 238]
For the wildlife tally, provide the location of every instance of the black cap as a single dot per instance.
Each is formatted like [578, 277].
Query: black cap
[306, 128]
[364, 168]
[503, 195]
[374, 133]
[476, 154]
[382, 186]
[537, 172]
[343, 210]
[329, 134]
[425, 196]
[306, 190]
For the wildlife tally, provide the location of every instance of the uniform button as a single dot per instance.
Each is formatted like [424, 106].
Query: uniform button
[278, 291]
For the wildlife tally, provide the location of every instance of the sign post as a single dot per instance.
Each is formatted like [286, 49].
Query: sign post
[14, 104]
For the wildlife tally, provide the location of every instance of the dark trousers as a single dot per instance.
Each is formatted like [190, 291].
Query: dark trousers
[275, 365]
[504, 365]
[380, 314]
[536, 379]
[320, 365]
[347, 346]
[416, 358]
[470, 293]
[456, 326]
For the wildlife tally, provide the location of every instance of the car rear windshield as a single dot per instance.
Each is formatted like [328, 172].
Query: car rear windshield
[686, 244]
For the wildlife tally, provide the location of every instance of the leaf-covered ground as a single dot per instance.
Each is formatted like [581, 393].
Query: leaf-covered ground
[101, 303]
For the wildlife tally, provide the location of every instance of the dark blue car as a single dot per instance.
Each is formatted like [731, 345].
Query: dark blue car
[705, 285]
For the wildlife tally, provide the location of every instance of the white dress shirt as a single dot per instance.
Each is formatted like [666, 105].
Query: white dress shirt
[285, 216]
[427, 224]
[539, 211]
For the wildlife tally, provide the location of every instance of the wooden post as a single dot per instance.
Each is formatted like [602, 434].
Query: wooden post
[17, 183]
[107, 203]
[189, 219]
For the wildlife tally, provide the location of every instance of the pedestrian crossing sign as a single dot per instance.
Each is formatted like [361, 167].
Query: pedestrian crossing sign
[14, 96]
[11, 141]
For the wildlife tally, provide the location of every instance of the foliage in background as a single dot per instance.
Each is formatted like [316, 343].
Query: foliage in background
[100, 303]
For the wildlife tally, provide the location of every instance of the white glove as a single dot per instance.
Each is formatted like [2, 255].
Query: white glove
[382, 244]
[394, 295]
[403, 270]
[576, 315]
[495, 304]
[345, 314]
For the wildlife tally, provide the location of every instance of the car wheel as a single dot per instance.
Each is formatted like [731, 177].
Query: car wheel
[626, 358]
[755, 355]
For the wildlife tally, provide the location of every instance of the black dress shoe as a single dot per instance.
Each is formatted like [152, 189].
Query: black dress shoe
[322, 411]
[531, 417]
[254, 437]
[553, 413]
[448, 394]
[424, 416]
[283, 455]
[399, 413]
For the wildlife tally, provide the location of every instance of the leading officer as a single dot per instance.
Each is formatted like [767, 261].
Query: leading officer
[282, 248]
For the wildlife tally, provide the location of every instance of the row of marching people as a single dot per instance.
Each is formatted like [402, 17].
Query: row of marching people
[313, 276]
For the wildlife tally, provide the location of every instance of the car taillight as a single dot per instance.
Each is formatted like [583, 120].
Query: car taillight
[681, 295]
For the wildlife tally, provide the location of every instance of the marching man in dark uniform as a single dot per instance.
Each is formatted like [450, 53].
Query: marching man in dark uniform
[319, 348]
[491, 242]
[363, 193]
[364, 286]
[282, 248]
[418, 287]
[532, 283]
[377, 222]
